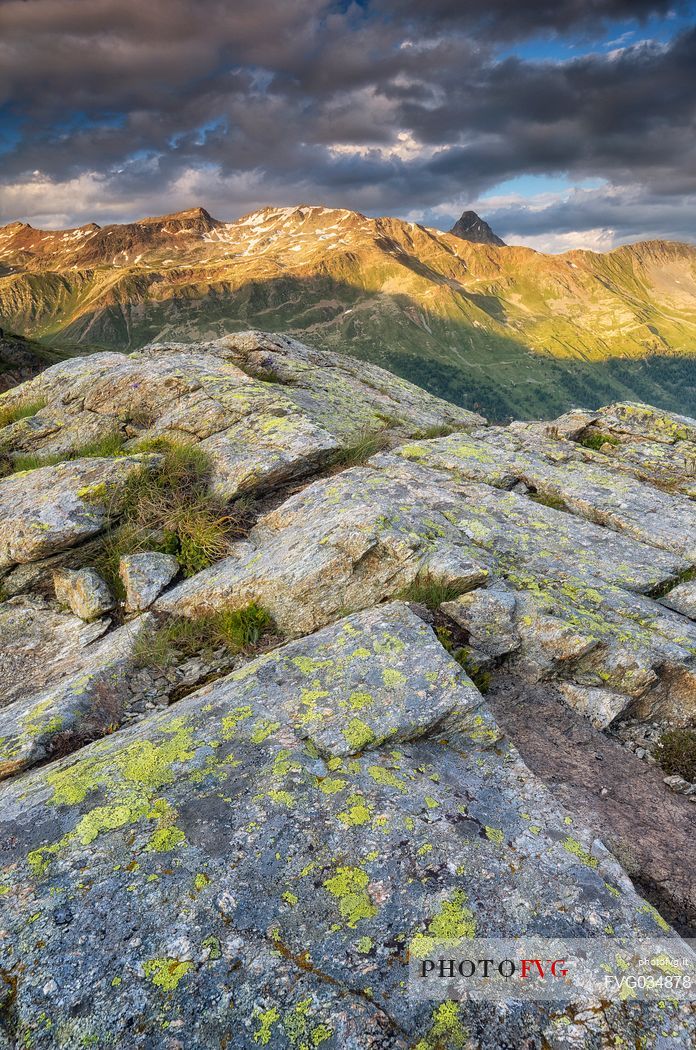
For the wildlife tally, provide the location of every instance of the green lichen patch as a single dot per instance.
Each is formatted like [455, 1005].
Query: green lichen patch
[358, 735]
[349, 886]
[132, 777]
[165, 839]
[166, 973]
[574, 847]
[266, 1019]
[453, 922]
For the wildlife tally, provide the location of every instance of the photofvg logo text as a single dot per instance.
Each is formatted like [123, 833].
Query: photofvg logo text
[506, 968]
[535, 968]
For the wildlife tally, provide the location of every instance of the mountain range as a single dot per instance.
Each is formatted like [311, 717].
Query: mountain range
[502, 329]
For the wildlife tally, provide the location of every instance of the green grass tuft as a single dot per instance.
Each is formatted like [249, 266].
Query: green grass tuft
[676, 752]
[238, 631]
[434, 432]
[594, 439]
[170, 509]
[109, 446]
[388, 419]
[425, 590]
[462, 654]
[368, 444]
[24, 410]
[555, 502]
[31, 461]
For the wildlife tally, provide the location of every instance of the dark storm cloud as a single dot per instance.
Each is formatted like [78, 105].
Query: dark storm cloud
[506, 20]
[394, 106]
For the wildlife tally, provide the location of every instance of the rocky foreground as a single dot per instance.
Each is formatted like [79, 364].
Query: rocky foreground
[253, 596]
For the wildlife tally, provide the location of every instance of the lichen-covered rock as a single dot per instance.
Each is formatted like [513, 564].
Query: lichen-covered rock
[669, 467]
[370, 533]
[582, 481]
[652, 445]
[84, 591]
[682, 599]
[36, 577]
[601, 706]
[489, 618]
[343, 543]
[599, 636]
[49, 509]
[252, 868]
[643, 422]
[264, 407]
[518, 530]
[571, 425]
[39, 644]
[145, 576]
[81, 707]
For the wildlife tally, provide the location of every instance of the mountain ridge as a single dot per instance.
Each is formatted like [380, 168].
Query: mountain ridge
[200, 213]
[508, 328]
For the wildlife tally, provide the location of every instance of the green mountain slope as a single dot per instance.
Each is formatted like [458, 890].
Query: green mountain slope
[505, 329]
[22, 359]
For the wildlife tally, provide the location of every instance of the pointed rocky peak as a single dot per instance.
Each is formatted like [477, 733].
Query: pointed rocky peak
[471, 227]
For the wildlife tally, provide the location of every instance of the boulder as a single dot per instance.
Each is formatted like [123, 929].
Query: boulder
[571, 425]
[488, 616]
[46, 510]
[145, 576]
[84, 591]
[643, 422]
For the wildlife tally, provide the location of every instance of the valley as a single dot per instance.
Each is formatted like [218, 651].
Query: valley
[494, 328]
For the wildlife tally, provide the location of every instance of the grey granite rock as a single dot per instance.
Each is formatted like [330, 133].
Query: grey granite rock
[39, 644]
[145, 576]
[84, 591]
[229, 871]
[251, 867]
[343, 543]
[682, 599]
[49, 509]
[265, 407]
[489, 618]
[81, 707]
[582, 481]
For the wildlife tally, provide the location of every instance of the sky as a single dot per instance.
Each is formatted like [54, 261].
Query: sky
[564, 123]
